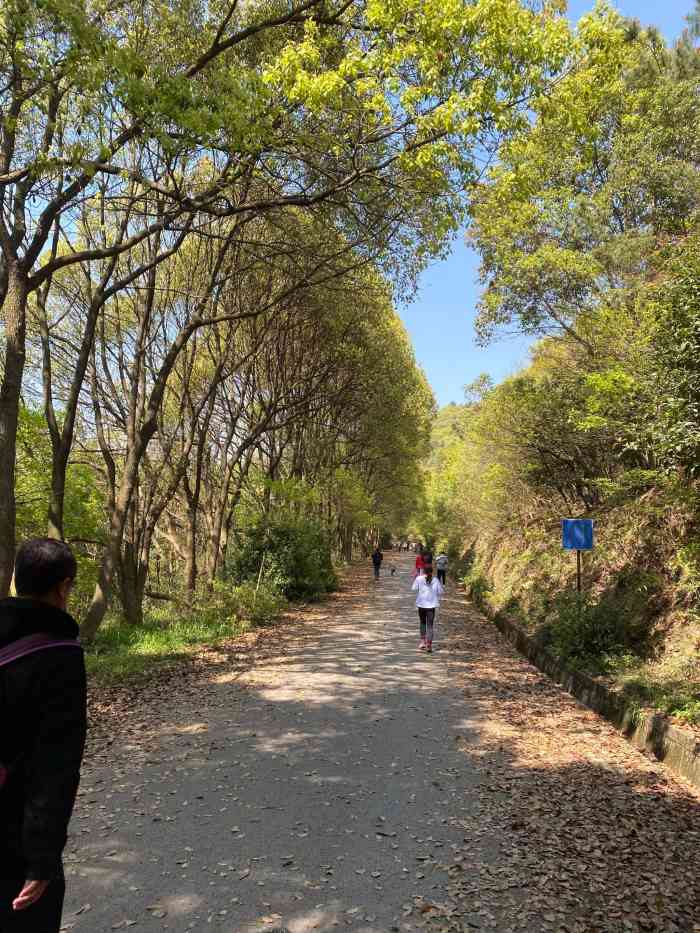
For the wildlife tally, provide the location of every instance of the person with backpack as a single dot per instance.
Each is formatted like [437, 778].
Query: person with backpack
[423, 560]
[43, 716]
[377, 558]
[441, 562]
[429, 591]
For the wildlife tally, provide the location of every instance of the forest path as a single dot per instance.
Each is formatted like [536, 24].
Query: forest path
[349, 781]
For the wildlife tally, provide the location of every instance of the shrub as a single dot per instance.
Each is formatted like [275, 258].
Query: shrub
[230, 605]
[477, 587]
[686, 563]
[585, 634]
[260, 605]
[168, 633]
[294, 553]
[687, 712]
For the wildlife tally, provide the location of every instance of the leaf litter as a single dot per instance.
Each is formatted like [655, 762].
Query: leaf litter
[568, 829]
[587, 834]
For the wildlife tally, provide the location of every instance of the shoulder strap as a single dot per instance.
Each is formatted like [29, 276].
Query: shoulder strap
[31, 643]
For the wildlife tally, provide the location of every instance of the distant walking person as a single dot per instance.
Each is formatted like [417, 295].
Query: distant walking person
[429, 591]
[377, 558]
[42, 712]
[441, 562]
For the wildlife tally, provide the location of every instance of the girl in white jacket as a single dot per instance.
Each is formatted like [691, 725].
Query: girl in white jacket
[429, 591]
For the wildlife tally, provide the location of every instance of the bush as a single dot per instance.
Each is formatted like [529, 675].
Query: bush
[678, 697]
[230, 605]
[686, 564]
[259, 606]
[294, 553]
[595, 636]
[477, 587]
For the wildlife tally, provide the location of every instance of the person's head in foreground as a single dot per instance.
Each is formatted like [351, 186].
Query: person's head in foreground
[45, 570]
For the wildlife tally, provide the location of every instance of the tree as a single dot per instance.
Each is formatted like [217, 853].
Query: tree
[566, 221]
[188, 105]
[694, 21]
[673, 376]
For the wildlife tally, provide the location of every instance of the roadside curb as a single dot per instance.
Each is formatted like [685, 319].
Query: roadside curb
[650, 732]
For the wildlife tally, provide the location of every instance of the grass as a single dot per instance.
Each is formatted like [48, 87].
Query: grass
[125, 652]
[673, 691]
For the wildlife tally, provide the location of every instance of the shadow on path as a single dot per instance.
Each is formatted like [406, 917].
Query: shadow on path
[352, 782]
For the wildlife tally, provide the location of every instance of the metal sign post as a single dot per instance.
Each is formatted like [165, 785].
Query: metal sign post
[578, 571]
[577, 535]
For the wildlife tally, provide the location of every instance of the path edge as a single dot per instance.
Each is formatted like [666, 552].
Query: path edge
[651, 732]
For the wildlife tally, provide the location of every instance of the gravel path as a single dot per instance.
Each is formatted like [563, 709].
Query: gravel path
[347, 781]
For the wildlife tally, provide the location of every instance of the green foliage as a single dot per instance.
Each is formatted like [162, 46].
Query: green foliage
[84, 501]
[228, 604]
[168, 634]
[259, 605]
[587, 634]
[686, 563]
[568, 218]
[675, 303]
[477, 586]
[33, 474]
[678, 697]
[200, 78]
[682, 708]
[292, 551]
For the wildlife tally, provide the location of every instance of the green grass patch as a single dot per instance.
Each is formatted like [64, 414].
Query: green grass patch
[125, 652]
[169, 633]
[678, 697]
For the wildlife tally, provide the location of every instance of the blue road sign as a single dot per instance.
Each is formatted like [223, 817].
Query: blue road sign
[577, 534]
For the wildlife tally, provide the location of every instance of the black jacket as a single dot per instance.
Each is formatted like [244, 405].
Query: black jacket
[42, 729]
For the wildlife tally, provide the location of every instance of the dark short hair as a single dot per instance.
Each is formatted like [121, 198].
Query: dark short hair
[41, 564]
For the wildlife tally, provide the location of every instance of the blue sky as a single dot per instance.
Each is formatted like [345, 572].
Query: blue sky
[440, 320]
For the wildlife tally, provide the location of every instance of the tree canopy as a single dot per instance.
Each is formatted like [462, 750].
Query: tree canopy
[207, 211]
[587, 226]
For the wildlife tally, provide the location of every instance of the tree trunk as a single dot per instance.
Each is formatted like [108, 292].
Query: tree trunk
[14, 312]
[104, 588]
[102, 596]
[132, 581]
[223, 517]
[216, 545]
[191, 547]
[220, 567]
[59, 465]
